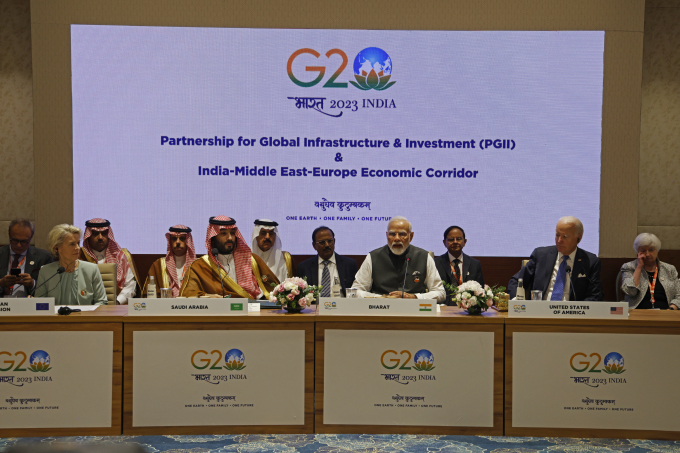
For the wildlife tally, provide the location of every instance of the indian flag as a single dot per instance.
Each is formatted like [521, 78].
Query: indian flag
[425, 307]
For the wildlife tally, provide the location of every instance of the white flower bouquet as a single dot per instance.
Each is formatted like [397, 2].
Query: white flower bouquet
[294, 294]
[472, 297]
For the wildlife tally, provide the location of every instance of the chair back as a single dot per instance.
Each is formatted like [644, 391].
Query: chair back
[617, 282]
[524, 262]
[108, 272]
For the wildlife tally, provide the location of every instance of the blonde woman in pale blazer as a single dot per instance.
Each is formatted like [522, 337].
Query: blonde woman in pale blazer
[638, 282]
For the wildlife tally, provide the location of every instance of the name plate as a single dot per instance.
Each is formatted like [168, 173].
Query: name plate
[184, 307]
[23, 306]
[377, 307]
[570, 309]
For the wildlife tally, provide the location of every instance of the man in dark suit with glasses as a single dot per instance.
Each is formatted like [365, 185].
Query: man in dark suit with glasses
[20, 261]
[335, 272]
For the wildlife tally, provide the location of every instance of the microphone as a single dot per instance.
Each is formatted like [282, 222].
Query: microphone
[60, 270]
[405, 274]
[571, 283]
[216, 253]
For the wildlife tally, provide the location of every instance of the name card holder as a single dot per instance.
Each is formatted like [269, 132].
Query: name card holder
[185, 307]
[568, 309]
[338, 306]
[23, 306]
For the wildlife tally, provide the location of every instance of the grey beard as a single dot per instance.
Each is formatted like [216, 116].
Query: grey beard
[398, 251]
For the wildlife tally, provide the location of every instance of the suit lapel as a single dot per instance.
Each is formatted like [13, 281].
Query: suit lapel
[466, 266]
[4, 260]
[340, 264]
[30, 262]
[547, 269]
[447, 267]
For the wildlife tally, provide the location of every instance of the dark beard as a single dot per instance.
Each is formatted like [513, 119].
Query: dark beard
[222, 247]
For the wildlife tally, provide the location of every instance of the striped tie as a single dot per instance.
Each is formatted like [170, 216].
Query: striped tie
[560, 280]
[326, 280]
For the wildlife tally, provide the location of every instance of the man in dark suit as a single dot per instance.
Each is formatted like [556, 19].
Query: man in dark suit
[22, 256]
[564, 271]
[454, 266]
[335, 272]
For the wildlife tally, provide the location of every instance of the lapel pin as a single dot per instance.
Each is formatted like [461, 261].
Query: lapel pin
[32, 263]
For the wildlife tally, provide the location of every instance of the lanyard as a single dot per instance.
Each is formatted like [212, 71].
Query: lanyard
[653, 284]
[456, 273]
[21, 262]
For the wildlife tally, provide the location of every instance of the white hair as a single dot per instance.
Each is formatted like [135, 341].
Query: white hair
[57, 236]
[647, 240]
[399, 218]
[569, 220]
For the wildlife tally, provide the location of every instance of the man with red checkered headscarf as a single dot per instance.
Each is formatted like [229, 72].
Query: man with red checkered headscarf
[99, 247]
[169, 272]
[227, 269]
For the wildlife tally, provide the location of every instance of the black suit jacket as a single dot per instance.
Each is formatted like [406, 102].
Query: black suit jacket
[585, 275]
[347, 270]
[472, 270]
[35, 259]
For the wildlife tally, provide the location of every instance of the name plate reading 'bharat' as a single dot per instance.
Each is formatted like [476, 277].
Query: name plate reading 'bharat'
[567, 309]
[193, 306]
[35, 306]
[377, 307]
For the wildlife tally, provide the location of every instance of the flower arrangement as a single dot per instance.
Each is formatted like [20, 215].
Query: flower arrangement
[471, 296]
[294, 293]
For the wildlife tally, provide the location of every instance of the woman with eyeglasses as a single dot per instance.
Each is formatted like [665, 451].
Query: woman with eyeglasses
[69, 280]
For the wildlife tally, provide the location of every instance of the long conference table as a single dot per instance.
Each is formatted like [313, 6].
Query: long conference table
[105, 373]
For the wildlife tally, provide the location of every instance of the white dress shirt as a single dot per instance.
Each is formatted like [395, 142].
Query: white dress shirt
[332, 269]
[17, 290]
[567, 282]
[180, 261]
[129, 288]
[364, 281]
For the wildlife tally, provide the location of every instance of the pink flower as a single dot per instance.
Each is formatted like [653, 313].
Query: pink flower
[489, 302]
[290, 297]
[302, 284]
[280, 288]
[295, 291]
[302, 302]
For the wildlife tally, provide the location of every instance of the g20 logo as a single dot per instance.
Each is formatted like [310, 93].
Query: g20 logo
[39, 361]
[613, 363]
[423, 360]
[372, 69]
[234, 360]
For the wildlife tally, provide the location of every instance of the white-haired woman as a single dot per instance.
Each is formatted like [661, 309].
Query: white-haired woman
[79, 283]
[648, 282]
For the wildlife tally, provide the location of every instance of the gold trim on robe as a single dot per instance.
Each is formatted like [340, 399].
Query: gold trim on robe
[225, 278]
[164, 273]
[289, 263]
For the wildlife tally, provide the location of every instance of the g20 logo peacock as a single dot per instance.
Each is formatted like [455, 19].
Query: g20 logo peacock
[423, 360]
[613, 363]
[38, 362]
[234, 360]
[372, 69]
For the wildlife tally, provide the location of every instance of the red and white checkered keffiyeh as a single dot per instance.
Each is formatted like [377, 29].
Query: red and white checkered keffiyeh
[242, 257]
[114, 254]
[170, 263]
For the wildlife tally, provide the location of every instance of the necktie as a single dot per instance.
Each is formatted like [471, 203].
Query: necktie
[456, 273]
[326, 280]
[558, 289]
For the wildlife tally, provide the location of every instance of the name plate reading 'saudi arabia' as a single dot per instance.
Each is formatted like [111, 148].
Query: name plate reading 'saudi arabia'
[377, 307]
[567, 309]
[35, 306]
[184, 307]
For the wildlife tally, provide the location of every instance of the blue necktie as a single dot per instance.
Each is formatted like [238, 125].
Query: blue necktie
[325, 280]
[558, 289]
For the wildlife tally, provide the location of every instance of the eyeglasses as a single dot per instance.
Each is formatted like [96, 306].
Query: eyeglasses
[17, 241]
[326, 242]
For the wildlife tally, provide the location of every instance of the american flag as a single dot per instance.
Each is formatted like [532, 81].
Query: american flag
[616, 310]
